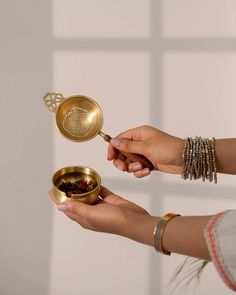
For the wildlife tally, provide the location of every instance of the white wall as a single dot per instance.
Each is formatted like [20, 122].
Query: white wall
[167, 63]
[26, 149]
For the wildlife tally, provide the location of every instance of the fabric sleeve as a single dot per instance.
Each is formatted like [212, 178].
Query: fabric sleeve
[220, 235]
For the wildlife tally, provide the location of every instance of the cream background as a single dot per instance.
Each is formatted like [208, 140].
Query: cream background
[167, 63]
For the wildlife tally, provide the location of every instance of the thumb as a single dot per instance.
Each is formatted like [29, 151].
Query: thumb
[127, 145]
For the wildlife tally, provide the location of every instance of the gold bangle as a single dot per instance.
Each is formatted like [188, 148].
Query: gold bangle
[158, 232]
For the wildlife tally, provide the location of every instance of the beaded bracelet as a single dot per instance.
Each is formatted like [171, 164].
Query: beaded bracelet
[199, 159]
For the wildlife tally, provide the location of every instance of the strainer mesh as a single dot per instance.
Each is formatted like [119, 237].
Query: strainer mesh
[78, 122]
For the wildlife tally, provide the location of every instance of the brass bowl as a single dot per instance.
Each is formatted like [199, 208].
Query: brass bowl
[74, 173]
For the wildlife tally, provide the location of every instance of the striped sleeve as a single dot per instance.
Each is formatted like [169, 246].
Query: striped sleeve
[220, 235]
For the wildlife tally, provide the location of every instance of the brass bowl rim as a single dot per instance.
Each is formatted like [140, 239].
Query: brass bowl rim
[86, 98]
[80, 195]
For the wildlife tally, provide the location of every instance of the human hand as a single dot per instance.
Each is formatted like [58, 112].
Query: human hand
[164, 151]
[111, 215]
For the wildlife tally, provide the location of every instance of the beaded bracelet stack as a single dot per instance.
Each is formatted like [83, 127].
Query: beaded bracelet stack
[199, 159]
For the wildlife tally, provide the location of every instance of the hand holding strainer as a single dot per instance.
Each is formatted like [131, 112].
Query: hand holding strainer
[79, 118]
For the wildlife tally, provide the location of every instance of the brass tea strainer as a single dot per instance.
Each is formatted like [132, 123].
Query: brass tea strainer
[79, 118]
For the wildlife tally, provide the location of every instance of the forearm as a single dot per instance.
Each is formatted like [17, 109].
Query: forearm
[183, 235]
[225, 152]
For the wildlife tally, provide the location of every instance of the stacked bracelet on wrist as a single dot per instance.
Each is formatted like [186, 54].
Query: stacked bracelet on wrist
[158, 232]
[199, 159]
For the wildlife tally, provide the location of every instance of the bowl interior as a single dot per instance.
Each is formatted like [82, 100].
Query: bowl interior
[79, 118]
[73, 174]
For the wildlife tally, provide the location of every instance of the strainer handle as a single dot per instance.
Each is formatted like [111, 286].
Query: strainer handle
[132, 157]
[52, 100]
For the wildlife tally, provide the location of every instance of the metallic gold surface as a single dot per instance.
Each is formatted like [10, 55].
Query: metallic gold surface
[53, 100]
[79, 118]
[158, 232]
[73, 173]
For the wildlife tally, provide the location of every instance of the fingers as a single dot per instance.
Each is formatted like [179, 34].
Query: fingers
[128, 142]
[127, 165]
[136, 168]
[94, 217]
[120, 164]
[129, 146]
[71, 206]
[133, 167]
[126, 145]
[142, 173]
[82, 209]
[109, 197]
[132, 134]
[112, 153]
[104, 192]
[136, 134]
[76, 210]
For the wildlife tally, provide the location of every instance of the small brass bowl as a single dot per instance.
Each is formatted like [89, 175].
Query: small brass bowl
[74, 173]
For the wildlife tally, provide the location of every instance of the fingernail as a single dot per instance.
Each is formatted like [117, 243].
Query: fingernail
[62, 207]
[136, 167]
[146, 171]
[115, 142]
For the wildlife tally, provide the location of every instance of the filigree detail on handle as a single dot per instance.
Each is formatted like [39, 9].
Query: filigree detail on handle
[53, 100]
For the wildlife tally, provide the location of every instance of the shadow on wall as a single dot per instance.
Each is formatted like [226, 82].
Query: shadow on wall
[26, 147]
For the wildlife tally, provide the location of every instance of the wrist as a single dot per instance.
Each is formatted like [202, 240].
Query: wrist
[180, 143]
[177, 146]
[140, 227]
